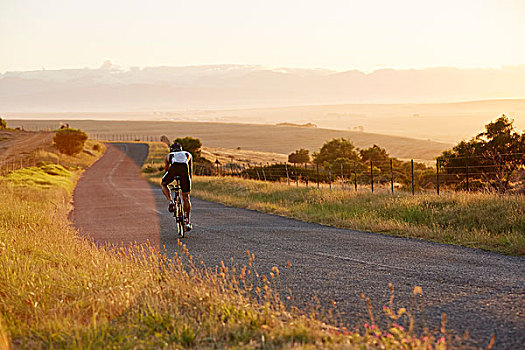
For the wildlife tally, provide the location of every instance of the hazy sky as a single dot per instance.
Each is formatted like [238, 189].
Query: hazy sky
[335, 34]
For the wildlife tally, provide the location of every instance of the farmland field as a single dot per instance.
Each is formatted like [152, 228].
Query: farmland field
[263, 138]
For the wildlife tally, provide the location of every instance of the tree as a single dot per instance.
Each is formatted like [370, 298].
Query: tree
[70, 141]
[3, 124]
[192, 145]
[340, 149]
[494, 155]
[375, 153]
[299, 156]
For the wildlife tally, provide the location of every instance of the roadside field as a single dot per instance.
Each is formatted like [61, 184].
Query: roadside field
[241, 156]
[477, 220]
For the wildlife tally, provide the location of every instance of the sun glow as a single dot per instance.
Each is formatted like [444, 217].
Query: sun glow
[334, 34]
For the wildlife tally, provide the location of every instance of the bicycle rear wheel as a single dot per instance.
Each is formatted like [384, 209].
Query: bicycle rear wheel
[181, 227]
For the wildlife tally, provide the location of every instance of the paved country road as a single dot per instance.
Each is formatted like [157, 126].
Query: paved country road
[481, 292]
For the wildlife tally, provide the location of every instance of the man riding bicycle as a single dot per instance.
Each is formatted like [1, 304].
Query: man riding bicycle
[178, 163]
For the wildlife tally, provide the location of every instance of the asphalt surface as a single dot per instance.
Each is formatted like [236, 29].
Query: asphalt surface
[480, 292]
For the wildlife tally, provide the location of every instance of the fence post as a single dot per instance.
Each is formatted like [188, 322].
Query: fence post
[467, 178]
[371, 176]
[262, 169]
[355, 176]
[317, 175]
[287, 176]
[342, 177]
[412, 167]
[391, 176]
[307, 177]
[330, 175]
[437, 176]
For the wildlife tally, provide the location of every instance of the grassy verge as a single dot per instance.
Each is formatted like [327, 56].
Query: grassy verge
[58, 290]
[477, 220]
[154, 164]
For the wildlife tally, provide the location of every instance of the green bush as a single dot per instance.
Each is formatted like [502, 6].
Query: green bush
[70, 141]
[3, 124]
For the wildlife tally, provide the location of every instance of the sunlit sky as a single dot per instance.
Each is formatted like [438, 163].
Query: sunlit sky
[333, 34]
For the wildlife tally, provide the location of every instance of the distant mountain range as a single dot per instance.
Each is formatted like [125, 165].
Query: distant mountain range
[110, 88]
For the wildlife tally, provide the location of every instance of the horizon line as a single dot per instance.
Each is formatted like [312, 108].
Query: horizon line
[108, 65]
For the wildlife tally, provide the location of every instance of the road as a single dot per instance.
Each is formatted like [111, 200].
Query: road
[481, 292]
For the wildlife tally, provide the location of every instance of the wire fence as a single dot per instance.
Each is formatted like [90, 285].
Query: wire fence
[18, 162]
[503, 173]
[124, 137]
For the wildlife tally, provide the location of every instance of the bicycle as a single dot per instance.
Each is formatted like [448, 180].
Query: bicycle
[178, 212]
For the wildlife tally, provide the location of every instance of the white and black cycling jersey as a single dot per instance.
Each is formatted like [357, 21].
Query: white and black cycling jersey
[181, 157]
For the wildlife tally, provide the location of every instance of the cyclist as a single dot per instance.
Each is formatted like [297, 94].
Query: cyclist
[178, 163]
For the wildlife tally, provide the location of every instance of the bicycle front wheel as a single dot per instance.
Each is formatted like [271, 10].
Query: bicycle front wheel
[180, 219]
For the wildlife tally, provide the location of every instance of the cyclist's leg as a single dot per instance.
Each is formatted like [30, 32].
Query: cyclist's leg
[165, 190]
[167, 179]
[186, 205]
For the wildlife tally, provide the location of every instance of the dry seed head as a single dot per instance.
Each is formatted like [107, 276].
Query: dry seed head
[443, 323]
[418, 290]
[391, 287]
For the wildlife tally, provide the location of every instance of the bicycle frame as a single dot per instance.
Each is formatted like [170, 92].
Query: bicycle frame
[176, 197]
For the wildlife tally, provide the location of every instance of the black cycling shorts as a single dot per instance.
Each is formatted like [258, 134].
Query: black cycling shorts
[181, 170]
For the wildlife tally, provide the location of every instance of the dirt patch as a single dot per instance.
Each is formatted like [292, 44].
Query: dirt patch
[113, 203]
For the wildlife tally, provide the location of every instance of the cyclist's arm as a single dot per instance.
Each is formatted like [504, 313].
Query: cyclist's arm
[166, 164]
[190, 164]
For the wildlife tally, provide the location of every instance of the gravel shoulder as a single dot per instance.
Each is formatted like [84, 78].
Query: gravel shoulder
[481, 292]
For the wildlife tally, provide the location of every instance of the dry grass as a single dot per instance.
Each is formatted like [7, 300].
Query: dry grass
[477, 220]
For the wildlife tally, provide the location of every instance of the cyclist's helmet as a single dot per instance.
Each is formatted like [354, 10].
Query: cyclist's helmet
[176, 147]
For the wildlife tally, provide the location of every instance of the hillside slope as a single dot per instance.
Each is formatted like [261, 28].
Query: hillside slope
[266, 138]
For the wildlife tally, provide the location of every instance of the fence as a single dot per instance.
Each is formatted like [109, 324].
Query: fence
[499, 172]
[17, 163]
[502, 173]
[124, 137]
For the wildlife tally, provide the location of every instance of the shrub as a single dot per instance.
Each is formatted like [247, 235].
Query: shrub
[70, 141]
[3, 124]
